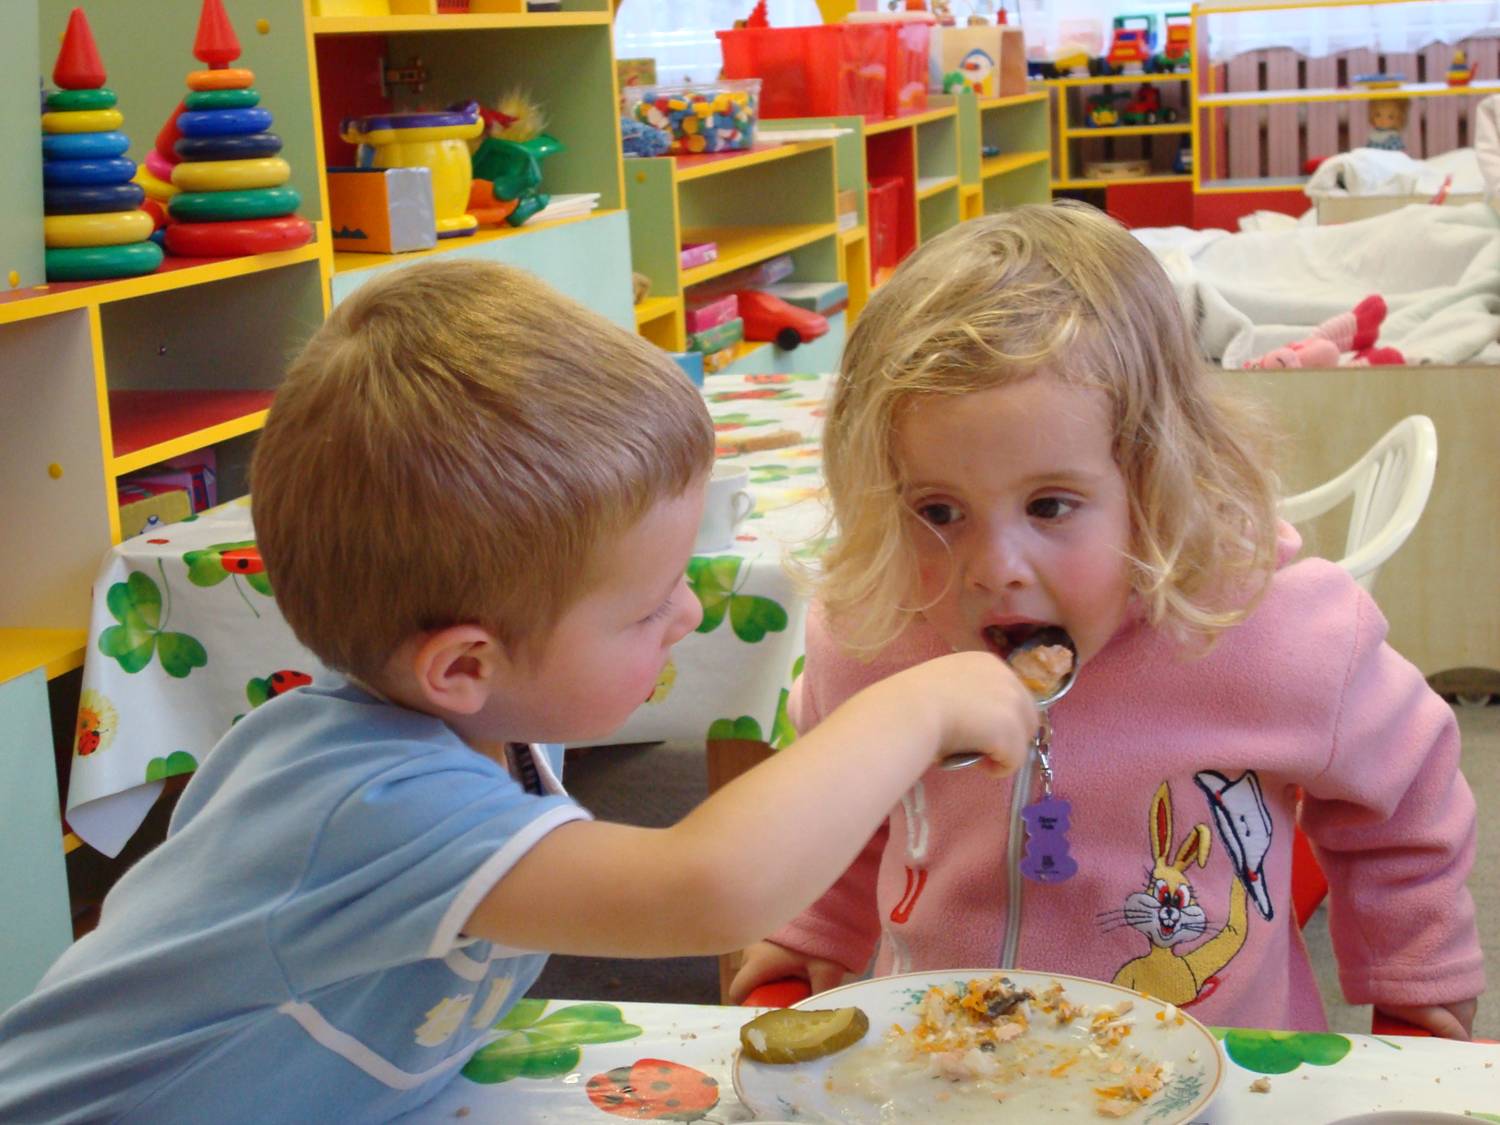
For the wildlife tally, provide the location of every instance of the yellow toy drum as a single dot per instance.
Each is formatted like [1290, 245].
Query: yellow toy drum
[434, 140]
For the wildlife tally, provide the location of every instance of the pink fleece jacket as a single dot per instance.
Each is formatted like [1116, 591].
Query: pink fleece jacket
[1182, 774]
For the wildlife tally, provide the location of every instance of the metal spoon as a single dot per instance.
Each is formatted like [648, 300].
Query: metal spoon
[1048, 635]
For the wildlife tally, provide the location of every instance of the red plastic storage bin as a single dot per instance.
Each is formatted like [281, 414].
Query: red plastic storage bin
[906, 66]
[818, 71]
[885, 223]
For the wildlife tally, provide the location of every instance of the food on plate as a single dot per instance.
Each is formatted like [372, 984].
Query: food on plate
[989, 1041]
[1042, 668]
[792, 1035]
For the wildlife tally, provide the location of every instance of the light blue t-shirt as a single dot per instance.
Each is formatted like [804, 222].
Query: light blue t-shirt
[291, 952]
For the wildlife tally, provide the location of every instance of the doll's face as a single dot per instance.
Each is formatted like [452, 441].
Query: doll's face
[1386, 115]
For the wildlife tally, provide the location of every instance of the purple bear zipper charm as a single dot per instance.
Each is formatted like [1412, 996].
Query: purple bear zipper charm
[1047, 859]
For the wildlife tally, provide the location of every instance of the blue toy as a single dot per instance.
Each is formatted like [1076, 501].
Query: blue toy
[640, 139]
[223, 122]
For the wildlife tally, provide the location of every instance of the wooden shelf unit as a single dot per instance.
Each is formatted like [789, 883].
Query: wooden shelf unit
[1064, 92]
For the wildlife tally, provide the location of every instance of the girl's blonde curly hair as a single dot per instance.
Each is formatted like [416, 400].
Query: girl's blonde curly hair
[1065, 291]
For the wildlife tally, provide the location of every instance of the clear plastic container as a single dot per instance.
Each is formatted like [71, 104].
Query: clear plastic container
[701, 117]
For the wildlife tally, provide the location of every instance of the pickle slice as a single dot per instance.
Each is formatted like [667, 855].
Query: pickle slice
[793, 1035]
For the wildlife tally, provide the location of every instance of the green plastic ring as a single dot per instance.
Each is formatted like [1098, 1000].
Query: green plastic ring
[68, 100]
[92, 263]
[222, 99]
[216, 206]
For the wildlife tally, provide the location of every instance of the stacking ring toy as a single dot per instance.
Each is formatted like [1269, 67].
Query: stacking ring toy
[108, 229]
[100, 98]
[67, 173]
[229, 78]
[82, 121]
[219, 122]
[231, 175]
[227, 240]
[222, 99]
[90, 200]
[88, 263]
[216, 206]
[84, 146]
[239, 147]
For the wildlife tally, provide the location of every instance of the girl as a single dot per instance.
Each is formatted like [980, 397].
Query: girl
[1023, 436]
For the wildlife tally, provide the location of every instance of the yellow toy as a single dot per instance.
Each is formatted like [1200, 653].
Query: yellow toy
[436, 141]
[1460, 70]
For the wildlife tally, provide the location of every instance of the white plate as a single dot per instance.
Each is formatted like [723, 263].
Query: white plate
[801, 1093]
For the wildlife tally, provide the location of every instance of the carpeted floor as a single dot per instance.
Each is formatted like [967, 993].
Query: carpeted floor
[657, 784]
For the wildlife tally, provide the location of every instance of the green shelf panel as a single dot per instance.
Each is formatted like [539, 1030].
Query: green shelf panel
[21, 123]
[1025, 185]
[654, 233]
[849, 152]
[937, 148]
[798, 189]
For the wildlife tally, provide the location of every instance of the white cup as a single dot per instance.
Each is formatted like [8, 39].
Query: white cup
[725, 507]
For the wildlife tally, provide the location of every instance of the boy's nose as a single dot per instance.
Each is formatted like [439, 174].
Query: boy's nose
[689, 612]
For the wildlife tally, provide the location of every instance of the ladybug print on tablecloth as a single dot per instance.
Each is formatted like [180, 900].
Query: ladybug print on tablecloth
[259, 691]
[654, 1090]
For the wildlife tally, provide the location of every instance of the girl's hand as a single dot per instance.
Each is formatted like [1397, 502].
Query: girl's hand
[1447, 1021]
[980, 705]
[766, 961]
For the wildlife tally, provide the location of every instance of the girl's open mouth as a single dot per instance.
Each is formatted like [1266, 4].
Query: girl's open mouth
[1004, 639]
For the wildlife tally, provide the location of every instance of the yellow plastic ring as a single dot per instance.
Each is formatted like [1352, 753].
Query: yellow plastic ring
[231, 175]
[82, 121]
[156, 188]
[230, 78]
[106, 228]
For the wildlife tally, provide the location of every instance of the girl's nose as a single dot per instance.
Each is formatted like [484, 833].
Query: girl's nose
[998, 562]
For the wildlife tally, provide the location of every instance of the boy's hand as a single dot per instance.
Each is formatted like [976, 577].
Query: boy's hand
[766, 961]
[1447, 1021]
[980, 705]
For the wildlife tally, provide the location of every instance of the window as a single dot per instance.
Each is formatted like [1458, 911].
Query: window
[679, 34]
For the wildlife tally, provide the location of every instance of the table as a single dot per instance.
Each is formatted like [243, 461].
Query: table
[185, 637]
[574, 1046]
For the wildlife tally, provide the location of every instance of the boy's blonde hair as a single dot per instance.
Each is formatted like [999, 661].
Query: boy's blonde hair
[1061, 290]
[453, 446]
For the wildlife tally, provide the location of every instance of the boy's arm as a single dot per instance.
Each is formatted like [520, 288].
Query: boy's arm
[1393, 824]
[762, 848]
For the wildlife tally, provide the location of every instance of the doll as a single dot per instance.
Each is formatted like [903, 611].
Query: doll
[1387, 124]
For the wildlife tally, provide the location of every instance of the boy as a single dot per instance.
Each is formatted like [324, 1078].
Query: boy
[476, 500]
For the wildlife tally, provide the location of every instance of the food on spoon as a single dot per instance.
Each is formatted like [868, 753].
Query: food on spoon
[1042, 668]
[794, 1035]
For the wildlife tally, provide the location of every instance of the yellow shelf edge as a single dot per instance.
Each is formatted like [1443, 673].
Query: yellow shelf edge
[779, 151]
[187, 443]
[1241, 98]
[656, 308]
[348, 261]
[1009, 100]
[1119, 79]
[55, 651]
[744, 246]
[1085, 183]
[1219, 187]
[945, 183]
[1010, 162]
[890, 124]
[853, 234]
[106, 292]
[458, 21]
[1129, 130]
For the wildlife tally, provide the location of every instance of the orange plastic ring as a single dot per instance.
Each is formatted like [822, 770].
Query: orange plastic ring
[230, 78]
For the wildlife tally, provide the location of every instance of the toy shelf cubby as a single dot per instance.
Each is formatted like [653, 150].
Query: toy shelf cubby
[103, 378]
[772, 199]
[1078, 141]
[1013, 130]
[482, 55]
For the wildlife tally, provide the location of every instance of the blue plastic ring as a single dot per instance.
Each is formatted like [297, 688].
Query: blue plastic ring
[93, 173]
[244, 146]
[92, 200]
[84, 146]
[223, 122]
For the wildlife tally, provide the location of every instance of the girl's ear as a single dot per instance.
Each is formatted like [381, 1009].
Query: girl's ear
[458, 667]
[1161, 824]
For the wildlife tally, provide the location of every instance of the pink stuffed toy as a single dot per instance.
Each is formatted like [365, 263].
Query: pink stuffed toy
[1355, 331]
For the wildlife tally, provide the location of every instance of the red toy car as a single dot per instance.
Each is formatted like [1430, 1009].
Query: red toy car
[770, 318]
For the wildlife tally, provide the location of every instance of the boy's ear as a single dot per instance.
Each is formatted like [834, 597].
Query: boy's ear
[458, 667]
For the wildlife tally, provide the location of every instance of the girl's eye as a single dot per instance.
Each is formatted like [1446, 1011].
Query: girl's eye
[938, 514]
[1050, 507]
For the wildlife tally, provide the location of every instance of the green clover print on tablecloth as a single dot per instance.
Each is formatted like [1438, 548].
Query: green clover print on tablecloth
[136, 604]
[726, 422]
[1281, 1052]
[219, 561]
[751, 616]
[745, 728]
[175, 763]
[545, 1048]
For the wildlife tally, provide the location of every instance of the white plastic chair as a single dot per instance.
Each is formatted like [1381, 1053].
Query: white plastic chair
[1389, 486]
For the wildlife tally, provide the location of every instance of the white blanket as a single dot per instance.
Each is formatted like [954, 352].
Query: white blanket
[1438, 269]
[1374, 171]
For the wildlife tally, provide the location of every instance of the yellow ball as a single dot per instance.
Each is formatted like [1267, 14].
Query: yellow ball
[82, 121]
[107, 228]
[231, 175]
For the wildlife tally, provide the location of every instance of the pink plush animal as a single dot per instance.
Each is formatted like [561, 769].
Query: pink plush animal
[1354, 332]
